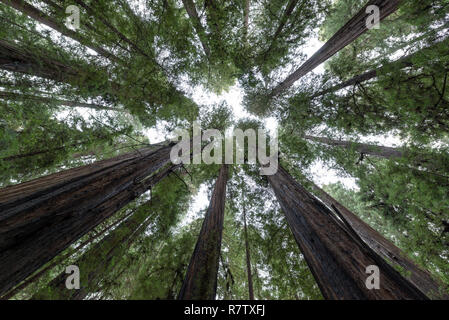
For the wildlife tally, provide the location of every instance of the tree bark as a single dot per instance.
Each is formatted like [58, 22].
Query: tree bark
[42, 217]
[347, 34]
[189, 5]
[385, 248]
[288, 11]
[248, 255]
[368, 149]
[19, 96]
[337, 259]
[41, 17]
[200, 282]
[95, 262]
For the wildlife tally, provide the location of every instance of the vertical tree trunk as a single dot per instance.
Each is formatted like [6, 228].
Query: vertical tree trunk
[347, 34]
[42, 217]
[246, 22]
[385, 248]
[337, 259]
[248, 256]
[200, 282]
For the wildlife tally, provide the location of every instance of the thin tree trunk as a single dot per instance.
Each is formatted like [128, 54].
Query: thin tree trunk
[200, 282]
[286, 15]
[404, 62]
[385, 248]
[336, 257]
[41, 17]
[347, 34]
[368, 149]
[248, 256]
[59, 260]
[189, 5]
[19, 96]
[42, 217]
[246, 22]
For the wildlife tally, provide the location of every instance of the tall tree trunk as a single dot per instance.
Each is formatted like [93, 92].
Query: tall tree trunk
[385, 248]
[18, 96]
[41, 17]
[286, 15]
[248, 256]
[336, 257]
[59, 260]
[347, 34]
[42, 217]
[246, 22]
[404, 62]
[200, 282]
[95, 262]
[368, 149]
[189, 5]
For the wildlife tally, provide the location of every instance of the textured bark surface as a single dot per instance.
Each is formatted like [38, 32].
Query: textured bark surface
[95, 262]
[348, 33]
[369, 149]
[336, 258]
[42, 217]
[386, 249]
[200, 282]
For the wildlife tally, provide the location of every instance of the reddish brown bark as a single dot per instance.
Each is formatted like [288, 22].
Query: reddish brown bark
[42, 217]
[336, 257]
[200, 282]
[347, 34]
[385, 248]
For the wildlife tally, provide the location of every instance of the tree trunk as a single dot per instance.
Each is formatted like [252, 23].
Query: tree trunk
[288, 11]
[200, 282]
[189, 5]
[337, 259]
[246, 22]
[385, 248]
[96, 262]
[248, 256]
[368, 149]
[18, 96]
[404, 62]
[41, 17]
[42, 217]
[347, 34]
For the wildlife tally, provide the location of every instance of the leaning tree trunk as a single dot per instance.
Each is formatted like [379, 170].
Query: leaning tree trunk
[13, 96]
[347, 34]
[364, 148]
[200, 282]
[96, 262]
[41, 17]
[42, 217]
[404, 62]
[189, 5]
[385, 248]
[337, 258]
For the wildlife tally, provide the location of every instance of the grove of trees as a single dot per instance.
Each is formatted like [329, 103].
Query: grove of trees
[82, 182]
